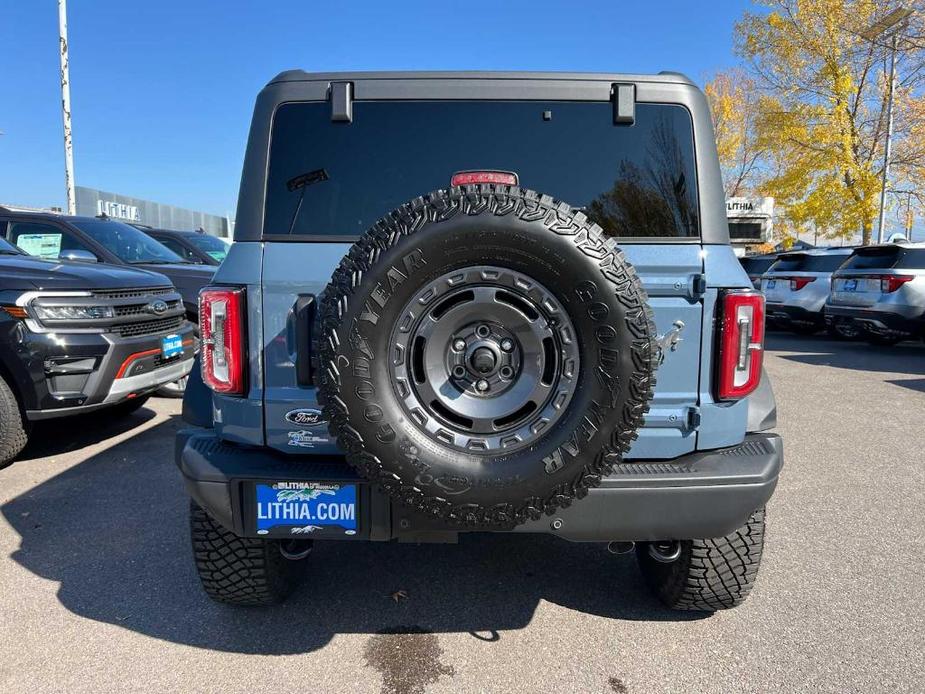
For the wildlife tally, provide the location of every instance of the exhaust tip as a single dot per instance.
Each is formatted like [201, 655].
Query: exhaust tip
[620, 547]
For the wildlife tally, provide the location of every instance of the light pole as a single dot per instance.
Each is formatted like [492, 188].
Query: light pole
[890, 25]
[66, 108]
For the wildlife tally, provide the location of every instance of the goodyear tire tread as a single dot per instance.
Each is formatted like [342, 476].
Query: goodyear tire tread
[240, 570]
[710, 575]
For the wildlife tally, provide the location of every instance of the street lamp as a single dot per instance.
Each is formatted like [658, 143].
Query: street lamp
[889, 25]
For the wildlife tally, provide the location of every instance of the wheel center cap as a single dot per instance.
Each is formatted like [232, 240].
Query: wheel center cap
[483, 360]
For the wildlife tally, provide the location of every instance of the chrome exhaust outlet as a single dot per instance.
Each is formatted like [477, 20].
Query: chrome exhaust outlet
[665, 552]
[620, 547]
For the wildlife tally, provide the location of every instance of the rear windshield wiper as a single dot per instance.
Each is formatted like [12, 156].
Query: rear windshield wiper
[301, 182]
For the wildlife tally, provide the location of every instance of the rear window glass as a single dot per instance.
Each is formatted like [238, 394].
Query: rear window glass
[912, 259]
[828, 262]
[887, 258]
[637, 181]
[756, 266]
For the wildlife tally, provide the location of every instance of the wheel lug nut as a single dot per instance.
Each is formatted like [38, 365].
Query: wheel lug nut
[459, 344]
[507, 344]
[481, 385]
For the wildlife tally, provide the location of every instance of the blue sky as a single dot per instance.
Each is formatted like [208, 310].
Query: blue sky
[162, 91]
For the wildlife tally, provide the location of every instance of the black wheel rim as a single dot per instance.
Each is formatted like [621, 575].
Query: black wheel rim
[484, 359]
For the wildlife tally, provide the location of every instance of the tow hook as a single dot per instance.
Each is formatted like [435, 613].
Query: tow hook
[665, 552]
[620, 547]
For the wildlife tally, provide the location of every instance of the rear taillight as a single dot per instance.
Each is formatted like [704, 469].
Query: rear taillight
[466, 178]
[890, 283]
[741, 345]
[797, 283]
[221, 328]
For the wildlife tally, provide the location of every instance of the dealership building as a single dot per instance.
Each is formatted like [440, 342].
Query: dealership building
[92, 202]
[751, 221]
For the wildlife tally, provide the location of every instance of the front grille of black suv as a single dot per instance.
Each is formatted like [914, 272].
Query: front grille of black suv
[129, 314]
[150, 327]
[133, 293]
[136, 309]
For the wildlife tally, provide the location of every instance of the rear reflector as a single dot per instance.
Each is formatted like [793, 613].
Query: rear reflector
[741, 344]
[468, 178]
[221, 327]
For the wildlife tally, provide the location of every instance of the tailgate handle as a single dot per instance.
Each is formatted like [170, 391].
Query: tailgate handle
[304, 323]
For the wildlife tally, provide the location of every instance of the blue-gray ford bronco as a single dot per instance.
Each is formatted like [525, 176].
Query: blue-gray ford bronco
[481, 302]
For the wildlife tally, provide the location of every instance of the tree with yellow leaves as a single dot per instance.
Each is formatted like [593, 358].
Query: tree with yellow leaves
[734, 105]
[820, 108]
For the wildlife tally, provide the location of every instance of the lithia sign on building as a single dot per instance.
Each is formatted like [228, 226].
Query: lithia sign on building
[748, 207]
[118, 210]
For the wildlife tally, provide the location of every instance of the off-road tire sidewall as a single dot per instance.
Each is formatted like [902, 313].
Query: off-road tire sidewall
[551, 244]
[14, 433]
[241, 570]
[710, 574]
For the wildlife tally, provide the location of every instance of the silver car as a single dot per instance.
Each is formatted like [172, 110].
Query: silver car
[796, 287]
[881, 289]
[756, 265]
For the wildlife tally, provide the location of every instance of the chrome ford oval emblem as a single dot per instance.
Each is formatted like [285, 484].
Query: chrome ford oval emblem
[157, 307]
[305, 417]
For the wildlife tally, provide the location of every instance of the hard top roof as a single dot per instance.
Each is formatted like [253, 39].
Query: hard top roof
[665, 76]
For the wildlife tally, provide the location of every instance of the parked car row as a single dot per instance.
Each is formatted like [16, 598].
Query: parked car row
[874, 292]
[94, 313]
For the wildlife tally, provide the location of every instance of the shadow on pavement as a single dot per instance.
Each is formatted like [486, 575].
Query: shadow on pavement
[912, 384]
[58, 436]
[817, 350]
[113, 532]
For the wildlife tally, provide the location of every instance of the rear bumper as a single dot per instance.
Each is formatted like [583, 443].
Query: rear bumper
[878, 321]
[702, 495]
[785, 314]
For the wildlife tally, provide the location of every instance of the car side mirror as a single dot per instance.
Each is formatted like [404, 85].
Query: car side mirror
[79, 255]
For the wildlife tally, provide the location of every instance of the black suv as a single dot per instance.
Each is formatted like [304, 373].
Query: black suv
[76, 338]
[193, 246]
[95, 239]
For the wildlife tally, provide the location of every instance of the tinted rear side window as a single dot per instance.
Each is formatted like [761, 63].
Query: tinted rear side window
[637, 181]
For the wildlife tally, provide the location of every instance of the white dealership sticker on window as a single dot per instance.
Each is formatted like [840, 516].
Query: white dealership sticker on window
[41, 245]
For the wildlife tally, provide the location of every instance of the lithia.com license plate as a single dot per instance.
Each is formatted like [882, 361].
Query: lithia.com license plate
[306, 508]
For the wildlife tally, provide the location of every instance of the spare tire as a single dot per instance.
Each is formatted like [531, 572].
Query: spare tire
[486, 355]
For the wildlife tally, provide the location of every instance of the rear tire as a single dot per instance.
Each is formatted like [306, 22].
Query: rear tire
[13, 427]
[244, 571]
[708, 575]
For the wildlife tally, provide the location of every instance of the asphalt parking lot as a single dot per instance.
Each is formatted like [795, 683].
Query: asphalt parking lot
[98, 593]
